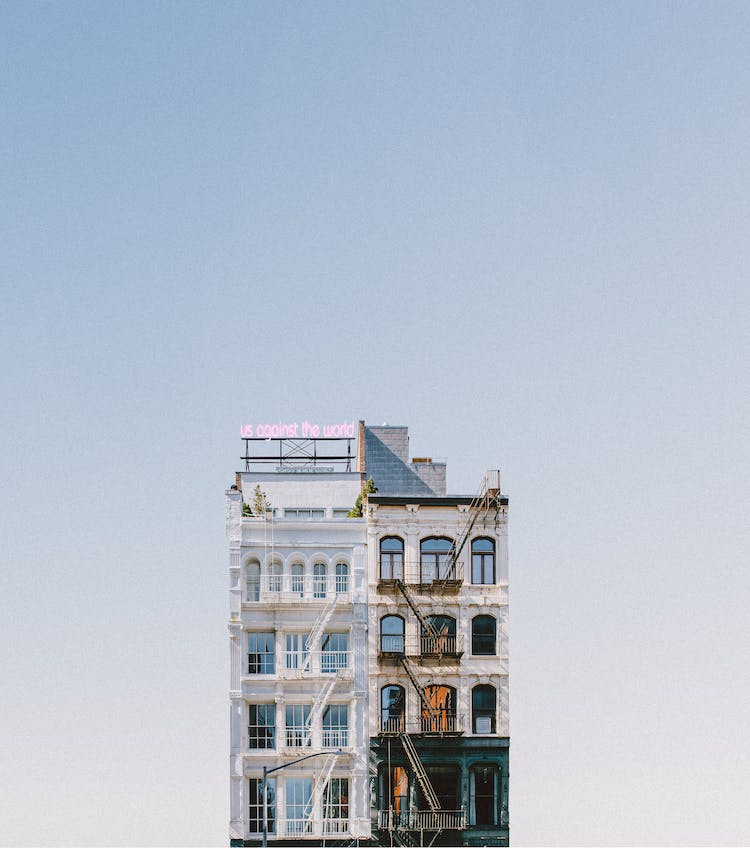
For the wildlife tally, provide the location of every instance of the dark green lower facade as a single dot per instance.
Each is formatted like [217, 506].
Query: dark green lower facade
[469, 776]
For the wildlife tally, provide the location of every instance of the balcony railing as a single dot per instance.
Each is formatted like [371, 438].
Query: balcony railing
[422, 820]
[439, 723]
[290, 588]
[423, 575]
[321, 662]
[421, 646]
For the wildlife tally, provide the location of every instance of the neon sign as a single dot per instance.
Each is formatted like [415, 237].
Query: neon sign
[298, 430]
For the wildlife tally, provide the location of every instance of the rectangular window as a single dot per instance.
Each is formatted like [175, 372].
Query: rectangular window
[305, 513]
[297, 730]
[296, 650]
[336, 726]
[335, 652]
[336, 806]
[298, 805]
[261, 726]
[341, 512]
[260, 653]
[484, 784]
[255, 814]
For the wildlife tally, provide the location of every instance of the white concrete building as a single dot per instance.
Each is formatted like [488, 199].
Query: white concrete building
[298, 600]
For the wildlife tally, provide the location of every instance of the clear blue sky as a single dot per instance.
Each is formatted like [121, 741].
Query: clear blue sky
[521, 229]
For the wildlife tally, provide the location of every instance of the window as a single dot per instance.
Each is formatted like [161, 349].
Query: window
[394, 794]
[297, 731]
[483, 636]
[342, 578]
[305, 513]
[298, 805]
[261, 648]
[255, 816]
[341, 512]
[483, 707]
[483, 561]
[441, 716]
[446, 782]
[484, 789]
[445, 641]
[336, 806]
[320, 580]
[252, 576]
[274, 571]
[392, 707]
[261, 726]
[391, 634]
[391, 558]
[296, 650]
[433, 558]
[336, 726]
[335, 652]
[298, 579]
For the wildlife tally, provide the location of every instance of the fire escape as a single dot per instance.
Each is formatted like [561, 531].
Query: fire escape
[427, 825]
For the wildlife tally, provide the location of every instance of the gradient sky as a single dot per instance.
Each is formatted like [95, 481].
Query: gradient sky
[520, 229]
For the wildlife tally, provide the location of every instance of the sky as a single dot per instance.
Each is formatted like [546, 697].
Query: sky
[521, 229]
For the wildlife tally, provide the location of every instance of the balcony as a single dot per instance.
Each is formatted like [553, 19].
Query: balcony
[296, 589]
[320, 662]
[422, 820]
[424, 648]
[421, 577]
[440, 723]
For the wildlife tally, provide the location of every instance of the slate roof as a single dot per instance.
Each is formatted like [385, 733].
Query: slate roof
[391, 475]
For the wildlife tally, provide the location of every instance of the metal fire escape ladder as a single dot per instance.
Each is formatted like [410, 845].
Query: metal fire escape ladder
[419, 771]
[483, 501]
[321, 783]
[406, 663]
[426, 625]
[319, 704]
[313, 640]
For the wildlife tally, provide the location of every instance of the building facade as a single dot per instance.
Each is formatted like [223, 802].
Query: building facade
[369, 649]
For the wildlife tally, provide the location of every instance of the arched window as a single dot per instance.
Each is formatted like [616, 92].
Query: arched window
[483, 709]
[274, 572]
[444, 642]
[392, 708]
[483, 561]
[342, 578]
[252, 578]
[391, 634]
[484, 636]
[391, 558]
[441, 715]
[433, 558]
[394, 794]
[484, 791]
[298, 579]
[320, 580]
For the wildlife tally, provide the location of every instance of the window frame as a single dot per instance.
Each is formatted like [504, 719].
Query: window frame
[476, 637]
[261, 662]
[392, 559]
[255, 804]
[433, 564]
[392, 722]
[392, 643]
[482, 561]
[269, 711]
[299, 725]
[335, 734]
[478, 712]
